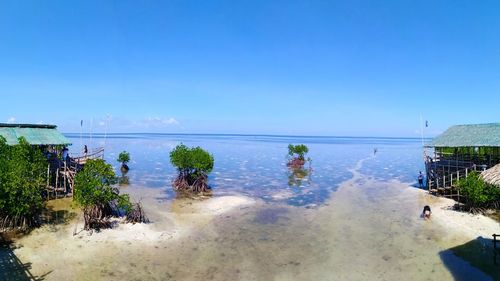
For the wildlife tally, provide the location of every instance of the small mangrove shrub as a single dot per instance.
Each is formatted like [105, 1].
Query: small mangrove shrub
[478, 195]
[193, 166]
[297, 154]
[97, 197]
[136, 214]
[124, 158]
[23, 172]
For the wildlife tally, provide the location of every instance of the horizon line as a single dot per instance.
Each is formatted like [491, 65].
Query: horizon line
[247, 135]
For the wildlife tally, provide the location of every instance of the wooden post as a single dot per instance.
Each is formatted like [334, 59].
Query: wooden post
[65, 177]
[48, 181]
[57, 182]
[48, 175]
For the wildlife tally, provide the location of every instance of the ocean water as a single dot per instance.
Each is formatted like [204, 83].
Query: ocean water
[299, 226]
[255, 166]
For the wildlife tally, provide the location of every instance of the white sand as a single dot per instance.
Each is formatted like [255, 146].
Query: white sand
[367, 230]
[468, 225]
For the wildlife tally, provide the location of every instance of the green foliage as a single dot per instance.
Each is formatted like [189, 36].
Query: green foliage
[124, 157]
[93, 186]
[193, 165]
[298, 151]
[193, 161]
[480, 152]
[22, 178]
[477, 193]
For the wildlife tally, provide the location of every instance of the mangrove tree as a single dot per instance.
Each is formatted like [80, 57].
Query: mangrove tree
[23, 172]
[193, 166]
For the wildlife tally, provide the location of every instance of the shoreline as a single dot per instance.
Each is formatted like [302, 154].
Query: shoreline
[471, 226]
[241, 238]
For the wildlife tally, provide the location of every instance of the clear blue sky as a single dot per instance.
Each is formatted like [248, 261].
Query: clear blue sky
[274, 67]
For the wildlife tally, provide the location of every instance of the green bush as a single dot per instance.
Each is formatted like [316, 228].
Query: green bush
[194, 165]
[478, 194]
[298, 151]
[23, 175]
[95, 194]
[123, 157]
[193, 161]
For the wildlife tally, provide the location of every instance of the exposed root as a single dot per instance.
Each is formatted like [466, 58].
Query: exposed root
[200, 184]
[476, 210]
[181, 183]
[296, 163]
[192, 183]
[97, 217]
[22, 223]
[137, 214]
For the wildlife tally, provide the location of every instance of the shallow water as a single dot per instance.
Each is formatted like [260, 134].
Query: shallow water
[256, 165]
[301, 227]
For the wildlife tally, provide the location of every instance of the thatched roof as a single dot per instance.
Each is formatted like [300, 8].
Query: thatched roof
[492, 175]
[35, 134]
[476, 135]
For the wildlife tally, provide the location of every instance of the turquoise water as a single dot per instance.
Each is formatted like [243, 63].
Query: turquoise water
[255, 166]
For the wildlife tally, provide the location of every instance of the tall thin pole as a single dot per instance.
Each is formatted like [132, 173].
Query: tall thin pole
[422, 129]
[422, 136]
[91, 127]
[105, 135]
[81, 132]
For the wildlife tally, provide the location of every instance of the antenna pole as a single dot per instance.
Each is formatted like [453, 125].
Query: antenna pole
[91, 127]
[105, 134]
[422, 129]
[81, 132]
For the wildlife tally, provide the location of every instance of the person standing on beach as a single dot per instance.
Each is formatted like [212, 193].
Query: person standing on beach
[420, 180]
[85, 150]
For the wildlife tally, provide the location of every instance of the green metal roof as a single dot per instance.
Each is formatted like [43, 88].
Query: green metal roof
[34, 134]
[477, 135]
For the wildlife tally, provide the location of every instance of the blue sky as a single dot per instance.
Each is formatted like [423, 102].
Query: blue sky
[362, 68]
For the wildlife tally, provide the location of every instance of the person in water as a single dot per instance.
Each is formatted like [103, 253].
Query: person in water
[420, 180]
[426, 213]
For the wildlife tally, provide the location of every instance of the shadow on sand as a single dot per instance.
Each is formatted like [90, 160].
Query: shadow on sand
[11, 268]
[474, 260]
[54, 216]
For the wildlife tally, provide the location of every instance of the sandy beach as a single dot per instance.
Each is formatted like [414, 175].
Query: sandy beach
[367, 230]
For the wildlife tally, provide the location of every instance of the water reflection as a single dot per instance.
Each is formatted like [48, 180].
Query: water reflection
[296, 176]
[123, 180]
[255, 166]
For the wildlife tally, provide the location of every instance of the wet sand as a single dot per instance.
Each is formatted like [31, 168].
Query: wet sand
[367, 230]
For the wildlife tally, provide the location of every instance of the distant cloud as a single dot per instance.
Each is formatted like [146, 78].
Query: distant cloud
[158, 122]
[117, 124]
[11, 120]
[172, 121]
[104, 121]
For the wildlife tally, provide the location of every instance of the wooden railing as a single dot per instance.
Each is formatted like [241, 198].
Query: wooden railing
[97, 153]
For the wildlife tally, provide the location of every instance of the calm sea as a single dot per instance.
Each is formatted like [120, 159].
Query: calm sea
[256, 165]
